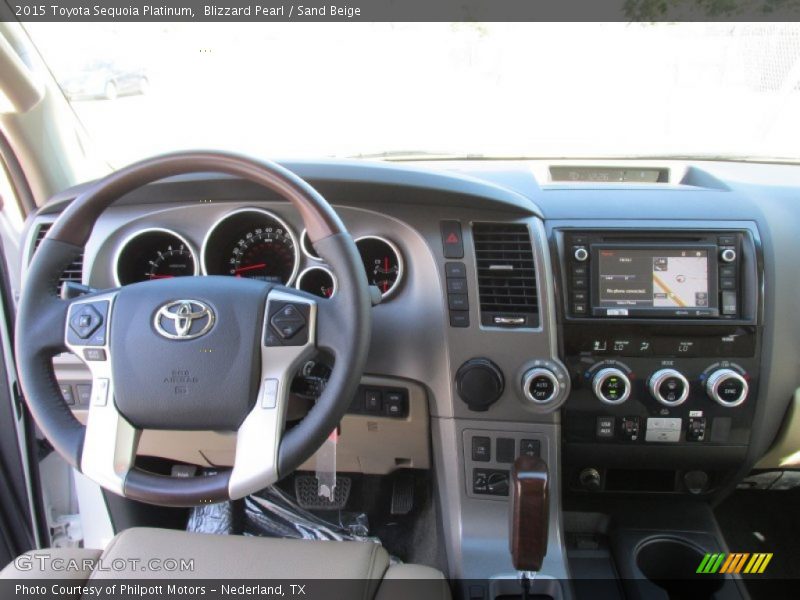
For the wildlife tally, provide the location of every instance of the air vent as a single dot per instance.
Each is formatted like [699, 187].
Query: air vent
[506, 275]
[74, 272]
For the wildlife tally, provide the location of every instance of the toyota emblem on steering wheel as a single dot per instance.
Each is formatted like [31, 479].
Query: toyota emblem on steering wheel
[184, 319]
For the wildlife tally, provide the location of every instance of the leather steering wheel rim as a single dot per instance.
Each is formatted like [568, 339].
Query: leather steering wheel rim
[342, 325]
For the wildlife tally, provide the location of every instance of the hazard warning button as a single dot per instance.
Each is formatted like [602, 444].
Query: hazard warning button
[452, 242]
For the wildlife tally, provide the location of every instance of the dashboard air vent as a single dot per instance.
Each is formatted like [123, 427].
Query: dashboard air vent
[506, 275]
[74, 272]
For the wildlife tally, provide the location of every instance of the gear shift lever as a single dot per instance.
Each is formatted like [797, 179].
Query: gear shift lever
[528, 515]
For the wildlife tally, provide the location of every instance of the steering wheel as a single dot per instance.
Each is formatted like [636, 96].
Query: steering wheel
[191, 353]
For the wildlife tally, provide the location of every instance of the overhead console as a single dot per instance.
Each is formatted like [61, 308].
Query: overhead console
[661, 335]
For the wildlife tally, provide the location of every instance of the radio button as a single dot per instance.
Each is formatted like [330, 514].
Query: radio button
[580, 283]
[579, 271]
[579, 297]
[579, 308]
[727, 271]
[580, 253]
[729, 303]
[727, 255]
[727, 283]
[726, 240]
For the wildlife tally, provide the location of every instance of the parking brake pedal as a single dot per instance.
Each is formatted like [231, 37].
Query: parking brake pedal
[306, 491]
[403, 493]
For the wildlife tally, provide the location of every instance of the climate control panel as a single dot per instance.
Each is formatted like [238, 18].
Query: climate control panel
[655, 386]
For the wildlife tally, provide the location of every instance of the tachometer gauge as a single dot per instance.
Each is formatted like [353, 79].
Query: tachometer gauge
[318, 281]
[383, 263]
[252, 243]
[154, 254]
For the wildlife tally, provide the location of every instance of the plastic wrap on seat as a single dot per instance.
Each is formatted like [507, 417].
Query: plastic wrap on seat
[273, 513]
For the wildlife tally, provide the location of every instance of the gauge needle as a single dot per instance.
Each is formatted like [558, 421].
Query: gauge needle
[250, 268]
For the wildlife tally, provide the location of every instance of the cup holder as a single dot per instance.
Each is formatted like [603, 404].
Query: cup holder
[671, 564]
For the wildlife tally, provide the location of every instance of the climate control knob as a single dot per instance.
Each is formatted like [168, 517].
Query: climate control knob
[669, 387]
[540, 385]
[611, 386]
[727, 387]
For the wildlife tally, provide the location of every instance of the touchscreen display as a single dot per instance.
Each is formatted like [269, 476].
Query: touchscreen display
[653, 278]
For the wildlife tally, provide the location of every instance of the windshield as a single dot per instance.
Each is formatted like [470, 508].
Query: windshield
[398, 90]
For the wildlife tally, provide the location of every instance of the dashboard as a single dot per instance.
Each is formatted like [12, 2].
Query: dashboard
[640, 333]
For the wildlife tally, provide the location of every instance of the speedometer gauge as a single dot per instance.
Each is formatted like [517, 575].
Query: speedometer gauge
[252, 243]
[154, 254]
[383, 263]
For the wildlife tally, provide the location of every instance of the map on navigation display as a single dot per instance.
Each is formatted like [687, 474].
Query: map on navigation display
[653, 278]
[680, 280]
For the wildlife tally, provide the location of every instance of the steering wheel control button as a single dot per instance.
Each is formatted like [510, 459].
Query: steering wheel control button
[85, 321]
[727, 388]
[84, 394]
[481, 449]
[100, 391]
[287, 322]
[611, 386]
[452, 242]
[66, 393]
[480, 383]
[669, 387]
[663, 430]
[269, 393]
[94, 354]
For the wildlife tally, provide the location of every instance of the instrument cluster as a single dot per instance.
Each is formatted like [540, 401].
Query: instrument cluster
[256, 244]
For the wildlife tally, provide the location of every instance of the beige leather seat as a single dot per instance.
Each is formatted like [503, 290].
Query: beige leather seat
[364, 565]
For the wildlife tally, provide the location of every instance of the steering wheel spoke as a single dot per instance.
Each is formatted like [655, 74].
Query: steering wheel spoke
[110, 441]
[289, 338]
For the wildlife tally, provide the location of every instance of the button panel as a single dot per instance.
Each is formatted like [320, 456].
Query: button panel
[488, 456]
[380, 402]
[457, 293]
[287, 324]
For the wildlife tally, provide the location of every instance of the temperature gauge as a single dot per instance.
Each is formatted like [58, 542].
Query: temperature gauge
[383, 263]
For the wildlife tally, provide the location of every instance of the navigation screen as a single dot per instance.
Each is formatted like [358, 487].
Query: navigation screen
[653, 278]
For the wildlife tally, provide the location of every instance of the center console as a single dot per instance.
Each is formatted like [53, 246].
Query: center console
[661, 340]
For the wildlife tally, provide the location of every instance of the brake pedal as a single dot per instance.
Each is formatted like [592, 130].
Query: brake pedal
[402, 493]
[306, 492]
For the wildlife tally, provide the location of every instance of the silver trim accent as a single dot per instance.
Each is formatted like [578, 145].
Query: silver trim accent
[400, 263]
[226, 216]
[306, 253]
[584, 254]
[255, 465]
[109, 447]
[600, 378]
[303, 273]
[728, 255]
[657, 378]
[540, 372]
[717, 378]
[146, 230]
[183, 318]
